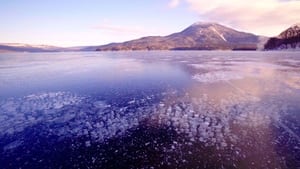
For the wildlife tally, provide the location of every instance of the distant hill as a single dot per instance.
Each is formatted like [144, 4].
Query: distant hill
[19, 47]
[288, 39]
[199, 36]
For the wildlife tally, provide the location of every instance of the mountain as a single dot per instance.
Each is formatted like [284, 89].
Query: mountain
[288, 39]
[19, 47]
[199, 36]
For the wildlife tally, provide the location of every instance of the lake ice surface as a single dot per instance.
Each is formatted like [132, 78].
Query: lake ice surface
[168, 109]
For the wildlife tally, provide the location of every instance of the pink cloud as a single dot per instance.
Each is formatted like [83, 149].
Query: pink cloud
[266, 17]
[120, 29]
[174, 3]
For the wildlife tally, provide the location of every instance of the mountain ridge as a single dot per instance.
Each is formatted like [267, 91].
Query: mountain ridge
[198, 36]
[289, 39]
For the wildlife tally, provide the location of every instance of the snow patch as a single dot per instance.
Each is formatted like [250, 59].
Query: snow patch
[212, 77]
[201, 66]
[218, 33]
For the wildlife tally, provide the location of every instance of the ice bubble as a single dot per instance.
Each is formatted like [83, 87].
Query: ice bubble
[13, 145]
[199, 119]
[87, 143]
[99, 104]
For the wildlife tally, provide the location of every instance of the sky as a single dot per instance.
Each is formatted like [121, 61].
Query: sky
[96, 22]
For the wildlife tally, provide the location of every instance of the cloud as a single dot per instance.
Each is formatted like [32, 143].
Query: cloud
[173, 3]
[108, 31]
[121, 29]
[267, 17]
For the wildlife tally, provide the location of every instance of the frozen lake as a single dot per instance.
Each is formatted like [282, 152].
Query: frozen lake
[169, 109]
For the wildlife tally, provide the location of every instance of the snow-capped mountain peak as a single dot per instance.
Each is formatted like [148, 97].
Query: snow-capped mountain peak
[198, 36]
[200, 23]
